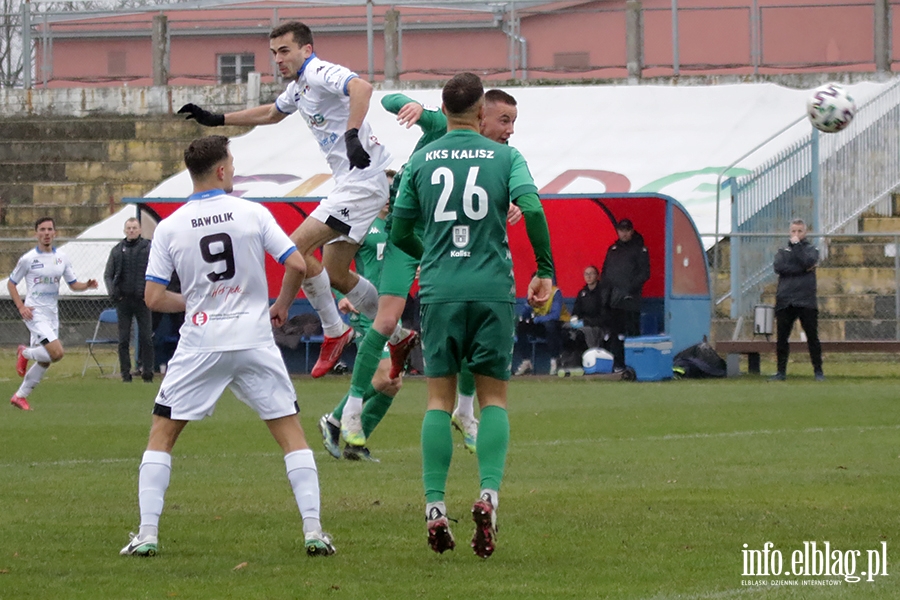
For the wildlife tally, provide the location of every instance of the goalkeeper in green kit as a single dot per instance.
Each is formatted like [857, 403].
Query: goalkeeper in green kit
[458, 189]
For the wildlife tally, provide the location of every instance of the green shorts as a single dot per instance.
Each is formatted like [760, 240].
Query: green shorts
[479, 334]
[398, 270]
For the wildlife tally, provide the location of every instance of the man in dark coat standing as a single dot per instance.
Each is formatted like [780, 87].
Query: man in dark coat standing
[796, 298]
[625, 270]
[124, 278]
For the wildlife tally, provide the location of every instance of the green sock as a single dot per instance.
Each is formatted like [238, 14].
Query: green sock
[374, 410]
[437, 451]
[493, 442]
[465, 381]
[338, 411]
[367, 358]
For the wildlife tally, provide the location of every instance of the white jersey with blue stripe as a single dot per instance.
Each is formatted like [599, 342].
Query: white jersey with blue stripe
[42, 272]
[217, 244]
[321, 96]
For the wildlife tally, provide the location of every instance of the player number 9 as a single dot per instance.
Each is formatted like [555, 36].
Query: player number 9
[226, 255]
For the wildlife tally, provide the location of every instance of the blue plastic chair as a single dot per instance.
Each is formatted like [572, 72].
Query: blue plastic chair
[107, 317]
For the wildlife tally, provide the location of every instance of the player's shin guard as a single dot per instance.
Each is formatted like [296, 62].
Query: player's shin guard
[153, 481]
[38, 353]
[437, 452]
[374, 410]
[318, 292]
[32, 377]
[304, 478]
[367, 358]
[493, 443]
[364, 297]
[465, 382]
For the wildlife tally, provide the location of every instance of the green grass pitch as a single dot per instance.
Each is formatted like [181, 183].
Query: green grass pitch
[612, 490]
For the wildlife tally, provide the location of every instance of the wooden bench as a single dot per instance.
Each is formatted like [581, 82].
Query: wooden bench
[753, 348]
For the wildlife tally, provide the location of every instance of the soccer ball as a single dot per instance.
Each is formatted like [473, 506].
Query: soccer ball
[830, 108]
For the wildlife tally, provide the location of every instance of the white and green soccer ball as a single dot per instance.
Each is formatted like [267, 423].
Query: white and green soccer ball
[830, 108]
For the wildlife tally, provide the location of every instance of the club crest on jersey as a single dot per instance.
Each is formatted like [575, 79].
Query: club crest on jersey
[199, 319]
[460, 236]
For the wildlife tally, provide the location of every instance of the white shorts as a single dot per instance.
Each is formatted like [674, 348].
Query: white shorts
[44, 326]
[194, 383]
[351, 207]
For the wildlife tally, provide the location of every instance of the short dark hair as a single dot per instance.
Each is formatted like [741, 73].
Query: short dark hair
[462, 92]
[302, 33]
[44, 220]
[496, 96]
[205, 153]
[596, 270]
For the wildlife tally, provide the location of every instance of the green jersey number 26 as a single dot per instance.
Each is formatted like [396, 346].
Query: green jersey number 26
[475, 198]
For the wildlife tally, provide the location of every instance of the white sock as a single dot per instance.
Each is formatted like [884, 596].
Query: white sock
[153, 481]
[364, 297]
[494, 495]
[38, 353]
[304, 478]
[318, 292]
[464, 405]
[32, 378]
[353, 406]
[399, 334]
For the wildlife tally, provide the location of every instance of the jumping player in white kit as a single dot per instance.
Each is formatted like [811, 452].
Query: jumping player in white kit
[42, 269]
[333, 102]
[217, 245]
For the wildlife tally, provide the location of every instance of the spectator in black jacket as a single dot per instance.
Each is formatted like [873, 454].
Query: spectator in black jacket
[124, 278]
[589, 308]
[796, 298]
[625, 270]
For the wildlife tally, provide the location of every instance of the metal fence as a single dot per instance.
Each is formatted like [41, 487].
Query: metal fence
[682, 39]
[858, 279]
[830, 181]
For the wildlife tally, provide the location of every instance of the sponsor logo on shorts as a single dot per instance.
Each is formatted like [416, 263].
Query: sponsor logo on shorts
[345, 212]
[199, 318]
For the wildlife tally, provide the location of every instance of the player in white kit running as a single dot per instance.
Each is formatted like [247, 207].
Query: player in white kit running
[217, 245]
[333, 101]
[42, 269]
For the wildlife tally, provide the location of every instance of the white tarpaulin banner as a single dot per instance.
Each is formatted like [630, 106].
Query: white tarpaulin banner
[673, 140]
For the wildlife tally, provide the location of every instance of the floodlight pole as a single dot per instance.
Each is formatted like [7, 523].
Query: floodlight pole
[26, 45]
[675, 66]
[370, 40]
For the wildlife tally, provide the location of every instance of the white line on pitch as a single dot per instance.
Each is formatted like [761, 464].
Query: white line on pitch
[650, 438]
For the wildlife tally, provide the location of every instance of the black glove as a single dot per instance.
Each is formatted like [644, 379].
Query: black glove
[359, 158]
[204, 117]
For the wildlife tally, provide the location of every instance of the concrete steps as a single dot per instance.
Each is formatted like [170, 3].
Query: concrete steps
[87, 193]
[92, 151]
[25, 216]
[857, 285]
[150, 171]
